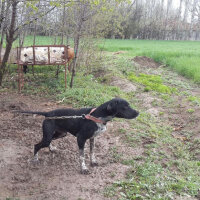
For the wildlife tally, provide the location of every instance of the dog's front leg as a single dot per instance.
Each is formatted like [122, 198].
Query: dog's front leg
[81, 145]
[52, 148]
[93, 161]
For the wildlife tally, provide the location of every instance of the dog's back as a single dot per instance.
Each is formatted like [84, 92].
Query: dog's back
[68, 112]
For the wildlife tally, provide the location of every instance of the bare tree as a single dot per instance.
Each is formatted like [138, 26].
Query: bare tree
[12, 31]
[10, 37]
[81, 15]
[4, 12]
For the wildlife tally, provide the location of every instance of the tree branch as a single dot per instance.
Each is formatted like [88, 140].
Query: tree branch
[35, 19]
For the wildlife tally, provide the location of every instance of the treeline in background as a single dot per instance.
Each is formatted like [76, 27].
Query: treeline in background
[140, 19]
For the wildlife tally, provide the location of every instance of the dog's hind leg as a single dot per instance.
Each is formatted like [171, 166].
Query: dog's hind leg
[48, 130]
[59, 134]
[93, 161]
[56, 135]
[81, 145]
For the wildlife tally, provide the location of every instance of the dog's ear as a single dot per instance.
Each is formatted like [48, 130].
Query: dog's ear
[111, 106]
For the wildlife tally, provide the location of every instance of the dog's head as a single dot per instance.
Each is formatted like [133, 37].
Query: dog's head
[120, 108]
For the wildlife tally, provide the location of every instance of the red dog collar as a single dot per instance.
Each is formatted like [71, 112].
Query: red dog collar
[94, 119]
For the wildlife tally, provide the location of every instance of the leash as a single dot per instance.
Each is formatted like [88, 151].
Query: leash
[66, 117]
[83, 116]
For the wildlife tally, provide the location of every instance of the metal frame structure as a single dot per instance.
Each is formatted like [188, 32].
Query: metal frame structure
[20, 63]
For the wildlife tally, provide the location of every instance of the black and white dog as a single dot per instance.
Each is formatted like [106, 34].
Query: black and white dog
[89, 123]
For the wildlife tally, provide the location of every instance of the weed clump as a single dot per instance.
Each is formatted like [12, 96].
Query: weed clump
[152, 82]
[195, 100]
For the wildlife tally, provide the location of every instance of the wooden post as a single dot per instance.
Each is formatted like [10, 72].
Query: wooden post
[48, 56]
[65, 57]
[19, 79]
[33, 55]
[65, 76]
[22, 77]
[18, 69]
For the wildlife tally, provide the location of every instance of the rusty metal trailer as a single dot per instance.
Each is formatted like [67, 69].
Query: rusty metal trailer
[50, 50]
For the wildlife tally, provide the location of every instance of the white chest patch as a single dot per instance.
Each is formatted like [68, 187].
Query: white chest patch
[101, 128]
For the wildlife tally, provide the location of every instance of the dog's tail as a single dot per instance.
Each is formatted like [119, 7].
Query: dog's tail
[33, 112]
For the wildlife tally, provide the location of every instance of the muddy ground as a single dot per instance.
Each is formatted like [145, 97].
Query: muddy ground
[57, 176]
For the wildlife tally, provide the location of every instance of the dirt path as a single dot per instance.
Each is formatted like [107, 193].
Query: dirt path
[57, 175]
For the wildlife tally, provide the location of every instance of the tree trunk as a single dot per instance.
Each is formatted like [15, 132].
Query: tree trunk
[178, 34]
[2, 16]
[185, 16]
[9, 40]
[63, 26]
[169, 4]
[5, 59]
[161, 33]
[3, 25]
[34, 33]
[76, 49]
[192, 18]
[1, 42]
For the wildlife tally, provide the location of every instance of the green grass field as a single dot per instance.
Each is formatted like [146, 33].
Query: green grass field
[181, 56]
[40, 40]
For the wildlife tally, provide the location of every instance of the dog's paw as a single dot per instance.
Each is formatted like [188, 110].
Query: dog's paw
[85, 171]
[94, 164]
[53, 149]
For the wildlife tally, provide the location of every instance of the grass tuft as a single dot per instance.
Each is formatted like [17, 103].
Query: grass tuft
[152, 82]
